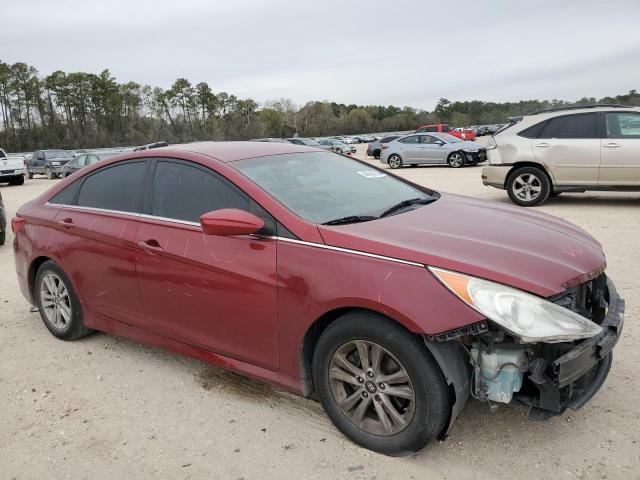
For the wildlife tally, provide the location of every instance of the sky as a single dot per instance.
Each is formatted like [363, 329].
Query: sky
[350, 51]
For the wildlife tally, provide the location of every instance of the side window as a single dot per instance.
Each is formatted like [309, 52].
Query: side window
[428, 139]
[411, 140]
[577, 126]
[67, 195]
[184, 192]
[549, 129]
[623, 125]
[80, 161]
[2, 154]
[90, 160]
[533, 131]
[116, 187]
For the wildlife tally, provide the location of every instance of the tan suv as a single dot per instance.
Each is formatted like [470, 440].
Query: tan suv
[566, 150]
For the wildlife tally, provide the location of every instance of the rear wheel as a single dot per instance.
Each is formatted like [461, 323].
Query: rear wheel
[379, 384]
[58, 303]
[528, 187]
[394, 161]
[376, 154]
[29, 175]
[455, 160]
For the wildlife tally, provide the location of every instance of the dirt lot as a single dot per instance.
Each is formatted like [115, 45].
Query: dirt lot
[105, 407]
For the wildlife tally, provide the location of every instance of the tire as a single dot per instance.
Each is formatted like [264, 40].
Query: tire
[394, 161]
[47, 288]
[3, 237]
[456, 160]
[19, 180]
[424, 404]
[49, 174]
[29, 175]
[414, 164]
[528, 186]
[376, 154]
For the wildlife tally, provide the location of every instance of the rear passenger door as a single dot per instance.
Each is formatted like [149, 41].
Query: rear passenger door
[98, 220]
[214, 292]
[569, 146]
[409, 149]
[621, 149]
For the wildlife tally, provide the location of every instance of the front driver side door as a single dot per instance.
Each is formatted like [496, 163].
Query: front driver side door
[213, 292]
[620, 163]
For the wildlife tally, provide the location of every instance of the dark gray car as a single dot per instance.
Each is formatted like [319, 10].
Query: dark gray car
[307, 142]
[374, 148]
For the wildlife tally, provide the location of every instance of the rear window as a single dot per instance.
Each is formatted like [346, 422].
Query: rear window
[389, 139]
[115, 188]
[413, 139]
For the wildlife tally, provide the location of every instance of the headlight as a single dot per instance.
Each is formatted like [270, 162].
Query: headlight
[55, 164]
[530, 318]
[471, 151]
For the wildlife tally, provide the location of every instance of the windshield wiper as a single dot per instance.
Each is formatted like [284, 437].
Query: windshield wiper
[406, 203]
[350, 219]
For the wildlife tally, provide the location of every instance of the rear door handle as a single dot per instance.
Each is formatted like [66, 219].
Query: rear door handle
[542, 145]
[611, 145]
[151, 246]
[67, 223]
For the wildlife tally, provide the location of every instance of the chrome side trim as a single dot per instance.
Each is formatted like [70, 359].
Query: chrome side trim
[345, 250]
[93, 209]
[170, 220]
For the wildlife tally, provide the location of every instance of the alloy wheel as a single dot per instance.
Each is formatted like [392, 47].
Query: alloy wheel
[56, 303]
[456, 160]
[371, 388]
[394, 161]
[527, 187]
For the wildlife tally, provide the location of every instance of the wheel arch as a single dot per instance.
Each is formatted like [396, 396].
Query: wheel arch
[35, 265]
[315, 330]
[540, 166]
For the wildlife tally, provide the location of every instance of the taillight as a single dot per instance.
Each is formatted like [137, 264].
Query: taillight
[17, 224]
[383, 146]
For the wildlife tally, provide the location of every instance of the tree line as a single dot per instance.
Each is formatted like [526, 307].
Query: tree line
[84, 110]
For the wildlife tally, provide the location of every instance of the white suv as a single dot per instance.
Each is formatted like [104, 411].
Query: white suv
[566, 150]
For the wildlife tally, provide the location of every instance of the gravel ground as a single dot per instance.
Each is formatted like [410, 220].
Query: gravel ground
[105, 407]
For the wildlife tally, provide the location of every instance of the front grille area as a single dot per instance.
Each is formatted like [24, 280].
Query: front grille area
[589, 299]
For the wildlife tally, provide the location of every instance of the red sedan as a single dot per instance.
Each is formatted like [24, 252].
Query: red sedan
[325, 275]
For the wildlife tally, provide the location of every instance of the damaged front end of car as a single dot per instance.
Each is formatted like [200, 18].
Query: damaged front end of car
[549, 354]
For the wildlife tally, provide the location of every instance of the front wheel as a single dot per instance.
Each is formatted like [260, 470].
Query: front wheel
[19, 180]
[29, 175]
[379, 384]
[49, 174]
[528, 187]
[59, 306]
[394, 161]
[456, 160]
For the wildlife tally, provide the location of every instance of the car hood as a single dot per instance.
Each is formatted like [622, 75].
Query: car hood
[529, 250]
[468, 145]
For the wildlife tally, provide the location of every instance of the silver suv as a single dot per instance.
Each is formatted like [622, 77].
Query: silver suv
[566, 150]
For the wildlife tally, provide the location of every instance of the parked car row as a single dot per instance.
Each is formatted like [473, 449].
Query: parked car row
[12, 168]
[332, 143]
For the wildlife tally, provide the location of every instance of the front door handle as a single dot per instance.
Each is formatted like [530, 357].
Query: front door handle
[150, 246]
[67, 223]
[611, 145]
[542, 145]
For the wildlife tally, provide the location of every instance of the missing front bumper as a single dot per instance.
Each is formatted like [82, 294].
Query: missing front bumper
[569, 377]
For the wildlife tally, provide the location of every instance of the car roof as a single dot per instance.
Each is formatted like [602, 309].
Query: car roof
[231, 151]
[575, 110]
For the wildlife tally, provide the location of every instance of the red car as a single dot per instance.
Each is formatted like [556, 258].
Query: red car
[469, 135]
[324, 275]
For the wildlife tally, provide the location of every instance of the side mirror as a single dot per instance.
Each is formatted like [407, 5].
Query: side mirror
[440, 143]
[229, 222]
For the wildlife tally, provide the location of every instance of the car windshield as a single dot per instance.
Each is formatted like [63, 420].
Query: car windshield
[449, 138]
[321, 187]
[58, 154]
